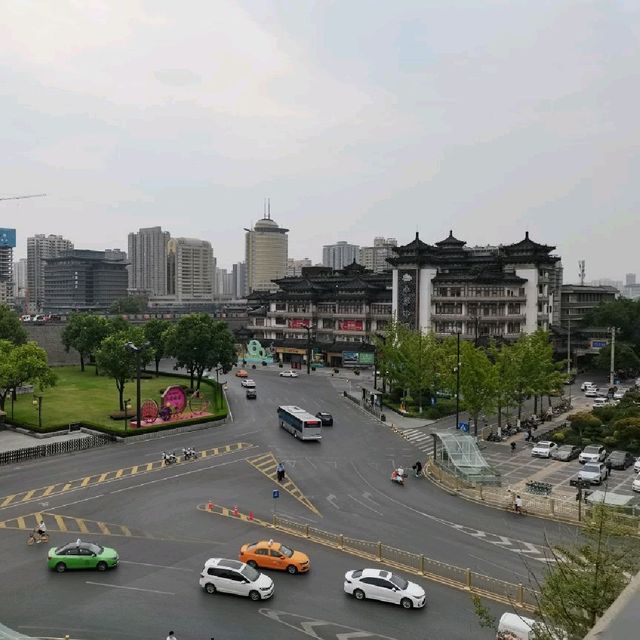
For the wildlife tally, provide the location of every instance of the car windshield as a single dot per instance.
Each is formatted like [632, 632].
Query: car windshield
[285, 551]
[592, 449]
[250, 573]
[567, 448]
[401, 583]
[544, 445]
[94, 548]
[591, 468]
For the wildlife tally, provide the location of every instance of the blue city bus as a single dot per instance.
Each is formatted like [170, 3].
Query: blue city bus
[299, 423]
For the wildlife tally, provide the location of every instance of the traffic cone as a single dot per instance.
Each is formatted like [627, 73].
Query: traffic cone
[235, 510]
[209, 505]
[251, 516]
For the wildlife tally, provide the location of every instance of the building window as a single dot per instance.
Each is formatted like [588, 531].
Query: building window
[281, 306]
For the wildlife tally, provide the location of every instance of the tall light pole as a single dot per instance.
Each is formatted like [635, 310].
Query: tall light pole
[136, 350]
[612, 364]
[458, 379]
[569, 356]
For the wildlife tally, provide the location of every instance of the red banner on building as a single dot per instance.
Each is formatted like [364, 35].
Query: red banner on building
[298, 323]
[351, 325]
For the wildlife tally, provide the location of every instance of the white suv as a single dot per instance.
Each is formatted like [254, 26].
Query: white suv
[592, 453]
[232, 576]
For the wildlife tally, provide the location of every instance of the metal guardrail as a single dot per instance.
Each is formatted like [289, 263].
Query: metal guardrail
[54, 449]
[458, 577]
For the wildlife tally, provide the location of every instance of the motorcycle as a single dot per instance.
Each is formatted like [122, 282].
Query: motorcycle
[189, 454]
[169, 458]
[36, 537]
[398, 475]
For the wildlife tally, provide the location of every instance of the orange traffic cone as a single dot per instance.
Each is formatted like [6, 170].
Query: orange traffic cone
[209, 505]
[251, 516]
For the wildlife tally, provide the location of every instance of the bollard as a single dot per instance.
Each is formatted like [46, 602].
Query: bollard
[468, 578]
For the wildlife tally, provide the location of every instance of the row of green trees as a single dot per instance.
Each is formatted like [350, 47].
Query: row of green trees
[197, 342]
[496, 379]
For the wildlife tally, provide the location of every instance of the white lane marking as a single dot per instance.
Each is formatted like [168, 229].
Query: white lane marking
[157, 566]
[117, 586]
[366, 506]
[331, 499]
[68, 504]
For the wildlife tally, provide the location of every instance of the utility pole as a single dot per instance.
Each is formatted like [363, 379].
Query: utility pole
[458, 381]
[613, 356]
[569, 375]
[308, 327]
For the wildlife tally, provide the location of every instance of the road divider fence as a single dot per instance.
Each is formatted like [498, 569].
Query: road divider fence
[418, 564]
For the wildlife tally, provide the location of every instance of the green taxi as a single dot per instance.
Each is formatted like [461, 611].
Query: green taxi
[82, 555]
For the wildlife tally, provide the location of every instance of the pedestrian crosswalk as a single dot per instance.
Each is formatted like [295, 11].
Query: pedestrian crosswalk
[422, 440]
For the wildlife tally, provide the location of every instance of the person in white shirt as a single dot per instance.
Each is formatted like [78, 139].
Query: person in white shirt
[518, 504]
[171, 636]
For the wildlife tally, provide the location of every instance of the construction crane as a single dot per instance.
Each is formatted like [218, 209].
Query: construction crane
[35, 195]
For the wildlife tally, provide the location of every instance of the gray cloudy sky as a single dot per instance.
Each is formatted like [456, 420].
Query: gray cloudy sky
[357, 117]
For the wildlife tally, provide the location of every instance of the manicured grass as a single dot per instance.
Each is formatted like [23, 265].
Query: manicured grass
[86, 397]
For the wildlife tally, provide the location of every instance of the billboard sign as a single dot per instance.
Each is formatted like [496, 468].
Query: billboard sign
[357, 359]
[298, 323]
[351, 325]
[7, 237]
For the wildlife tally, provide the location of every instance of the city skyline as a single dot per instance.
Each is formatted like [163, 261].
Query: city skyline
[520, 118]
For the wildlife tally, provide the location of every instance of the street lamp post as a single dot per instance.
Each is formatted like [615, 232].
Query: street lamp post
[137, 351]
[37, 404]
[457, 379]
[308, 328]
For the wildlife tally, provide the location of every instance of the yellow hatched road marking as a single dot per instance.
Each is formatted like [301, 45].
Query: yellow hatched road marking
[85, 481]
[104, 529]
[60, 522]
[134, 470]
[28, 495]
[48, 490]
[149, 466]
[119, 473]
[103, 476]
[67, 486]
[81, 525]
[125, 530]
[21, 523]
[7, 500]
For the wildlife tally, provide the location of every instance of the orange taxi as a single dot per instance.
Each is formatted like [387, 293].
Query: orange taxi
[268, 554]
[241, 373]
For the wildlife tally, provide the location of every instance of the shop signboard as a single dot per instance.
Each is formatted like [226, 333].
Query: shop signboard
[297, 323]
[351, 325]
[357, 359]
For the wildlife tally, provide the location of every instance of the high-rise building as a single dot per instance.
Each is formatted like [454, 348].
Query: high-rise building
[375, 257]
[83, 279]
[190, 270]
[239, 271]
[339, 255]
[294, 267]
[20, 281]
[224, 283]
[7, 244]
[266, 250]
[631, 289]
[148, 261]
[41, 248]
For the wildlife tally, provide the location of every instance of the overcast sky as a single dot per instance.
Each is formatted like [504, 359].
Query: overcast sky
[358, 118]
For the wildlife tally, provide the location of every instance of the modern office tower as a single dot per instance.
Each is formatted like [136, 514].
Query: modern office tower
[339, 255]
[148, 261]
[375, 258]
[224, 283]
[83, 279]
[294, 267]
[190, 270]
[41, 248]
[239, 271]
[266, 250]
[7, 244]
[20, 281]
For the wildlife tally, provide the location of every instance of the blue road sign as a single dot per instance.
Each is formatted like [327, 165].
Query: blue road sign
[464, 427]
[276, 494]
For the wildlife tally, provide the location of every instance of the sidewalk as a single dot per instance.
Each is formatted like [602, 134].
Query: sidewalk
[12, 440]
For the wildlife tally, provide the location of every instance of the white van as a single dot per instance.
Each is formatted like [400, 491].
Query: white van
[518, 627]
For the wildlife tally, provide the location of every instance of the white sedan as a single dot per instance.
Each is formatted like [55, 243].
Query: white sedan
[288, 374]
[378, 584]
[636, 484]
[248, 383]
[591, 393]
[543, 449]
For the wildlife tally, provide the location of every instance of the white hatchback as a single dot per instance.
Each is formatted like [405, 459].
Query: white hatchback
[378, 584]
[238, 578]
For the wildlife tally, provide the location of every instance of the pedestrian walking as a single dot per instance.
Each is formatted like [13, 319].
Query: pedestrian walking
[518, 504]
[171, 636]
[513, 447]
[417, 468]
[280, 472]
[529, 435]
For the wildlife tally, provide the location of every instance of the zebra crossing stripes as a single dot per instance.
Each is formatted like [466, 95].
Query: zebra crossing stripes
[418, 438]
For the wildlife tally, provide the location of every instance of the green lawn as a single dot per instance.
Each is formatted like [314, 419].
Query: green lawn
[86, 397]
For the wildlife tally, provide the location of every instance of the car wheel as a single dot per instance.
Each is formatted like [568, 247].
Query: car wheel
[359, 594]
[253, 563]
[61, 567]
[209, 588]
[406, 603]
[101, 566]
[292, 570]
[254, 595]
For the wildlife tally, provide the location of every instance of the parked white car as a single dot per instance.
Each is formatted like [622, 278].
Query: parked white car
[594, 472]
[592, 453]
[636, 483]
[238, 578]
[585, 385]
[543, 449]
[619, 394]
[600, 402]
[288, 374]
[591, 392]
[378, 584]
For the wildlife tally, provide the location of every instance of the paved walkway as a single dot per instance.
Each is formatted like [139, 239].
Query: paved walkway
[12, 440]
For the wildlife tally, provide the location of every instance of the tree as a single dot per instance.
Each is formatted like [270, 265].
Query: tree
[155, 331]
[85, 332]
[477, 381]
[625, 358]
[10, 327]
[130, 304]
[586, 577]
[503, 362]
[117, 361]
[22, 364]
[200, 343]
[622, 313]
[546, 377]
[586, 425]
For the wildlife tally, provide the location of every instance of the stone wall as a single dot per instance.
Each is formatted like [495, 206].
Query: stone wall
[49, 337]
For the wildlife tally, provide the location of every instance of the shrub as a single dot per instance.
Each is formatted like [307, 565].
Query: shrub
[559, 437]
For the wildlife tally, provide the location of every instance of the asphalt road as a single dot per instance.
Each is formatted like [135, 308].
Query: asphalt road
[165, 539]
